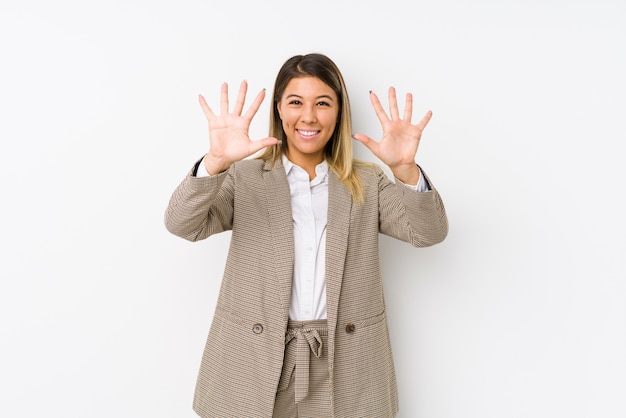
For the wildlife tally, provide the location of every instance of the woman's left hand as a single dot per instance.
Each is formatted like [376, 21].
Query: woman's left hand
[400, 140]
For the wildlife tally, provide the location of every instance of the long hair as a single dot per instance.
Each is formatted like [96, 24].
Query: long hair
[338, 150]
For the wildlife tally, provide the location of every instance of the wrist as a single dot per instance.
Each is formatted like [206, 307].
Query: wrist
[214, 165]
[407, 173]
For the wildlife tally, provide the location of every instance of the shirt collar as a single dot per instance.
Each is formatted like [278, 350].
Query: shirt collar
[321, 170]
[288, 165]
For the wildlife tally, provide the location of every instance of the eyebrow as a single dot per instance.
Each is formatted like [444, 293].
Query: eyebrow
[324, 96]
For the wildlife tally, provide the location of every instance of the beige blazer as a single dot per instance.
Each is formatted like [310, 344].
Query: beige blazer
[243, 357]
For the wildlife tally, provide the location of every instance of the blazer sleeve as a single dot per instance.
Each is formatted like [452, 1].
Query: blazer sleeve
[406, 214]
[201, 206]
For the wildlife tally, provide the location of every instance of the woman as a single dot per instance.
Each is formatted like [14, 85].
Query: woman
[300, 327]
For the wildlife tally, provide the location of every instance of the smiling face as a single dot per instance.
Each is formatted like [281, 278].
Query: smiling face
[309, 110]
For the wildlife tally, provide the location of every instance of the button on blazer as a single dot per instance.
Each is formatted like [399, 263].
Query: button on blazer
[243, 357]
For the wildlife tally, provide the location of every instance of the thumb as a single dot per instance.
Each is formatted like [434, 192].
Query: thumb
[368, 142]
[262, 143]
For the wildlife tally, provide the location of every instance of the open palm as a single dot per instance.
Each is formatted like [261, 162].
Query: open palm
[400, 140]
[228, 131]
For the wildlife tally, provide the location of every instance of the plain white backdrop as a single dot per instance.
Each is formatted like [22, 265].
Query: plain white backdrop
[521, 312]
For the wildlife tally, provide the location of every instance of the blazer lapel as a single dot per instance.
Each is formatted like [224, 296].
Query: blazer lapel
[337, 229]
[278, 204]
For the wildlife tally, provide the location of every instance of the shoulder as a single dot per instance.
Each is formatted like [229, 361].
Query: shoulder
[256, 172]
[250, 164]
[368, 171]
[248, 167]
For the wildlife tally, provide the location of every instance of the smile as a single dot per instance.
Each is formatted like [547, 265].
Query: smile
[307, 133]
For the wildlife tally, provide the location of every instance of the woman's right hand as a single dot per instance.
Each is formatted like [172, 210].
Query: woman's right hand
[228, 131]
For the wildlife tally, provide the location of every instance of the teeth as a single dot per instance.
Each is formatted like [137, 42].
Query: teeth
[308, 133]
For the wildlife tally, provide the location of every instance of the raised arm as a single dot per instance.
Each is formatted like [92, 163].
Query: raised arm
[200, 207]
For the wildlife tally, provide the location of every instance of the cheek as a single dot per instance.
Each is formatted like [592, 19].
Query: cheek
[333, 120]
[285, 124]
[332, 126]
[288, 120]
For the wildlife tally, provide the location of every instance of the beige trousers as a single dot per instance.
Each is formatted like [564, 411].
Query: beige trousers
[303, 390]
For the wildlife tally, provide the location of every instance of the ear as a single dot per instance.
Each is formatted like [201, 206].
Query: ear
[280, 113]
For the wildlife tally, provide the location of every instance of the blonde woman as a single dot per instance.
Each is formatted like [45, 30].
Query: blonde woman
[300, 328]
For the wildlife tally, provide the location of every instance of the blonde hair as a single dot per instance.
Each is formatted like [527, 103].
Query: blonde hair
[338, 151]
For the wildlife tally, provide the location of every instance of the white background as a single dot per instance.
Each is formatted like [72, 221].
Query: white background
[521, 312]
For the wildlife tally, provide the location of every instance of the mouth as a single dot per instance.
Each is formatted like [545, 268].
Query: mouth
[307, 133]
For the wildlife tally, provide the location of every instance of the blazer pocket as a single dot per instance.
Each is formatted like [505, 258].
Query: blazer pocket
[355, 326]
[253, 327]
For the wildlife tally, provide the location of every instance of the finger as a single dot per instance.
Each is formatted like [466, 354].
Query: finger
[408, 107]
[369, 143]
[425, 120]
[256, 146]
[378, 108]
[393, 104]
[254, 106]
[224, 99]
[205, 107]
[241, 98]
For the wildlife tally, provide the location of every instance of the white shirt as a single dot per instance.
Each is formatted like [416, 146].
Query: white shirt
[309, 208]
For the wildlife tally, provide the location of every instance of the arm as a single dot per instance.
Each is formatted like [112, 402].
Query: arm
[417, 217]
[201, 206]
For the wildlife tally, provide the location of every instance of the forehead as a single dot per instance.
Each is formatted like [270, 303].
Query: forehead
[308, 87]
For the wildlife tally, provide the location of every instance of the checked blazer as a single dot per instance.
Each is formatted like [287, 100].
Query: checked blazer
[243, 357]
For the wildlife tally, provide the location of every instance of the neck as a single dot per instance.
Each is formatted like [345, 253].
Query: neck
[308, 164]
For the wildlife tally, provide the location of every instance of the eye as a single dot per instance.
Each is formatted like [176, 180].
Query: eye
[295, 102]
[323, 103]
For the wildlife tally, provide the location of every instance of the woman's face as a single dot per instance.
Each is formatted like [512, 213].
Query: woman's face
[309, 110]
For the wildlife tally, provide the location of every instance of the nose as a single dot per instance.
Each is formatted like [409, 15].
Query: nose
[308, 114]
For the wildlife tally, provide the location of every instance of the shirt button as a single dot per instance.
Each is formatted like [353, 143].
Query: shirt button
[257, 328]
[350, 328]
